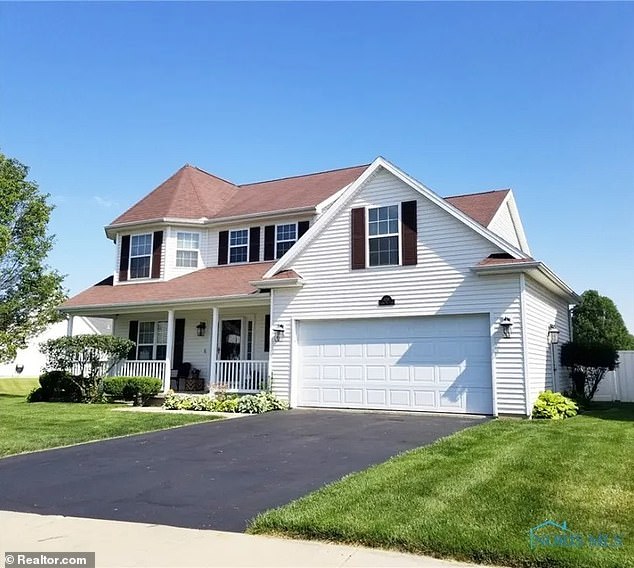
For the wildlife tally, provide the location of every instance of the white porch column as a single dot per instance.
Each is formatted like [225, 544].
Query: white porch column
[213, 356]
[69, 325]
[169, 355]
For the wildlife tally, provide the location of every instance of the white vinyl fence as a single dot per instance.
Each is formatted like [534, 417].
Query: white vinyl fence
[618, 384]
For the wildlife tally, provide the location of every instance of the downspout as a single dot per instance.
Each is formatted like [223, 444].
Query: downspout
[527, 401]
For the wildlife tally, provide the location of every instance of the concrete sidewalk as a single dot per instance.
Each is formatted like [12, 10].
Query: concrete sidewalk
[121, 545]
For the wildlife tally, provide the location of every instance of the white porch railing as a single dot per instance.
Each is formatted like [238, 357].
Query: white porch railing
[139, 369]
[242, 376]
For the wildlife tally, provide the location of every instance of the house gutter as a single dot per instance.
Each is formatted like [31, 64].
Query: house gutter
[159, 304]
[206, 221]
[528, 268]
[277, 283]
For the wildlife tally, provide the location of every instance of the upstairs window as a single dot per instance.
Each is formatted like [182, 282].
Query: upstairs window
[383, 235]
[140, 255]
[152, 340]
[238, 245]
[285, 238]
[187, 247]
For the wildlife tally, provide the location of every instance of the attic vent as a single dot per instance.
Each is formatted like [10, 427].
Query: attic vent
[500, 255]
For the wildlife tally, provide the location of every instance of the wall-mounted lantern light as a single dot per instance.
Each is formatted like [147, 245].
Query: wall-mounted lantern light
[278, 331]
[506, 324]
[200, 329]
[553, 335]
[19, 368]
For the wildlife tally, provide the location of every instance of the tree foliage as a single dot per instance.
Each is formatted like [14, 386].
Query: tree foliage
[596, 319]
[588, 363]
[86, 359]
[29, 290]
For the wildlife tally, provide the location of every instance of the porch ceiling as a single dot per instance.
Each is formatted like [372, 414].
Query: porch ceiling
[219, 284]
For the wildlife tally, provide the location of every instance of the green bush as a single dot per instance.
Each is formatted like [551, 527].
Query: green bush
[137, 389]
[554, 406]
[246, 404]
[55, 386]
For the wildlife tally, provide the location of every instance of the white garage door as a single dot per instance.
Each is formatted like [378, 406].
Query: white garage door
[435, 364]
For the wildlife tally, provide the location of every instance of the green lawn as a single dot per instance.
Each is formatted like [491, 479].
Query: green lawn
[475, 495]
[25, 427]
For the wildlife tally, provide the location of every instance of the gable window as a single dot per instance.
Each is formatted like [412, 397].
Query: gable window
[187, 246]
[238, 245]
[383, 235]
[152, 340]
[140, 255]
[285, 238]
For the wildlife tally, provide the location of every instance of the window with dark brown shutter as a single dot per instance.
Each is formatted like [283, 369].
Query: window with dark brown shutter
[157, 247]
[269, 242]
[124, 259]
[302, 227]
[357, 225]
[267, 333]
[254, 244]
[223, 247]
[133, 332]
[409, 233]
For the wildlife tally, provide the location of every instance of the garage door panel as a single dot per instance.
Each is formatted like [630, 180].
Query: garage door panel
[416, 363]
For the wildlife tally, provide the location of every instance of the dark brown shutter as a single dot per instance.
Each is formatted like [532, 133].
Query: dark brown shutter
[267, 333]
[133, 335]
[157, 245]
[223, 247]
[357, 223]
[408, 233]
[124, 259]
[302, 227]
[179, 342]
[254, 244]
[269, 242]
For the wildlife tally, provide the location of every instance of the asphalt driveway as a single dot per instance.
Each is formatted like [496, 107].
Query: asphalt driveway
[216, 475]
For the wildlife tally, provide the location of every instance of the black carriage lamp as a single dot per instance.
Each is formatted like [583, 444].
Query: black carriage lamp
[506, 324]
[553, 335]
[278, 330]
[200, 329]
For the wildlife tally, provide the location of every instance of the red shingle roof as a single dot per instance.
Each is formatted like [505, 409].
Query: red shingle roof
[202, 284]
[192, 193]
[481, 207]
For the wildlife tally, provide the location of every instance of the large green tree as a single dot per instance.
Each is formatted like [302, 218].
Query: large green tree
[596, 319]
[29, 289]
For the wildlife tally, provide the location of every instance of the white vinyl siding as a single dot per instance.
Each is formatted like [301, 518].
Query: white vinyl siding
[440, 284]
[543, 308]
[502, 225]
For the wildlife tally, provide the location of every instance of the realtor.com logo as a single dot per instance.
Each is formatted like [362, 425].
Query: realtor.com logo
[550, 534]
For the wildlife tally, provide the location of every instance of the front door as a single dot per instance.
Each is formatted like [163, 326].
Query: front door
[230, 339]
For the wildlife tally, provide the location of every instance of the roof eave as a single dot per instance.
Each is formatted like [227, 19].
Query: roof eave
[277, 283]
[535, 268]
[159, 303]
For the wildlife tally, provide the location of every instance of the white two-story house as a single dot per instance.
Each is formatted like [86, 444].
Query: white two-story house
[352, 288]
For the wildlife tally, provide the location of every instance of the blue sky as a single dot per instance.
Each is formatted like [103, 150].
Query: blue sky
[105, 101]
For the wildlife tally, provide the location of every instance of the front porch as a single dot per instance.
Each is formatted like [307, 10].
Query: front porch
[233, 376]
[199, 349]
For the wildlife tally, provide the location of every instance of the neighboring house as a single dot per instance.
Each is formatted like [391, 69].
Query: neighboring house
[29, 361]
[352, 288]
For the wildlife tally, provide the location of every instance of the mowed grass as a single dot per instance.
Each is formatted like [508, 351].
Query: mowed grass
[26, 427]
[475, 495]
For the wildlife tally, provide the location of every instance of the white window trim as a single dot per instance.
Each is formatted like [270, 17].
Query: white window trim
[154, 343]
[197, 250]
[368, 237]
[286, 241]
[149, 276]
[248, 245]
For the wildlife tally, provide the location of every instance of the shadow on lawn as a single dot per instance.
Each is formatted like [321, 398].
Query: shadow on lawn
[620, 411]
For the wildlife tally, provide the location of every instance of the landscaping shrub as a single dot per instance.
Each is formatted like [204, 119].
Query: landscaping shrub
[137, 389]
[55, 386]
[554, 406]
[588, 363]
[85, 359]
[222, 402]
